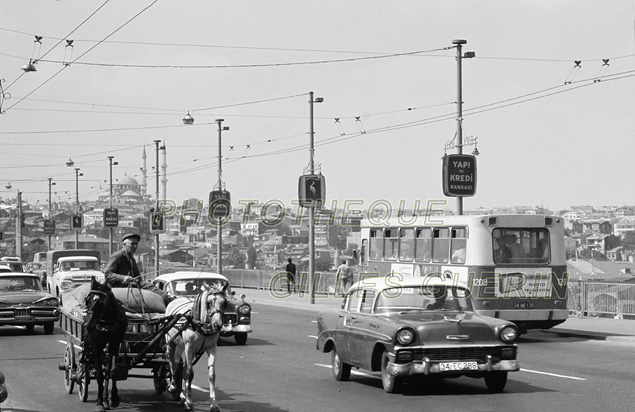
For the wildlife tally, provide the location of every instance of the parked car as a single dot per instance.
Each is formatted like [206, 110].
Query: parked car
[24, 302]
[72, 271]
[10, 259]
[237, 318]
[416, 327]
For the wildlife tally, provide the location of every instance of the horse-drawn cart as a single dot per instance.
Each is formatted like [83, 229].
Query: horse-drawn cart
[143, 347]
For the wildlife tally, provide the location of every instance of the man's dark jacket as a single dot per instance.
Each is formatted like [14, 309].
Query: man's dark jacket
[119, 266]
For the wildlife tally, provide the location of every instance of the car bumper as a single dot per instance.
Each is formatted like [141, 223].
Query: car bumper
[35, 317]
[231, 329]
[429, 368]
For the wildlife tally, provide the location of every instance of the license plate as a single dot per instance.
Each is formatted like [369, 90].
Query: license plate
[458, 366]
[23, 318]
[524, 305]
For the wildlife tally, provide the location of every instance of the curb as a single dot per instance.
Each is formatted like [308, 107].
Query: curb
[591, 335]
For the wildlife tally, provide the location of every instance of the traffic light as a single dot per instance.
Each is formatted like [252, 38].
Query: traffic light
[157, 223]
[77, 222]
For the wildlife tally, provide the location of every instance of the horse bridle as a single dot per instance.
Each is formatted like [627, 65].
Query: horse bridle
[205, 328]
[99, 324]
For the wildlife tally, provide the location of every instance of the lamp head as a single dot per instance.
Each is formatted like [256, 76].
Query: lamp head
[70, 162]
[188, 119]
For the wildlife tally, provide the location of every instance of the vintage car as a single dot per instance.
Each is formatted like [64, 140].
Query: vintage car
[237, 318]
[72, 271]
[24, 302]
[416, 327]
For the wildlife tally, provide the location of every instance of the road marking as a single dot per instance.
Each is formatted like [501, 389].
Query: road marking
[522, 369]
[198, 388]
[63, 342]
[553, 374]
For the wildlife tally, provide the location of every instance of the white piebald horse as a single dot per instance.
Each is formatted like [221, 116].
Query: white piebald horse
[201, 334]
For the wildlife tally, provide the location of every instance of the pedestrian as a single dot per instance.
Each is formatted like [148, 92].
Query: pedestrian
[122, 271]
[290, 268]
[343, 276]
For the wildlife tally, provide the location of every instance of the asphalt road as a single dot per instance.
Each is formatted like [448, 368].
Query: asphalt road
[280, 370]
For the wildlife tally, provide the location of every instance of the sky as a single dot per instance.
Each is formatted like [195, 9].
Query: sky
[551, 132]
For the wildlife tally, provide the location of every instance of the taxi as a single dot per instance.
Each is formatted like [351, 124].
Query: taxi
[416, 326]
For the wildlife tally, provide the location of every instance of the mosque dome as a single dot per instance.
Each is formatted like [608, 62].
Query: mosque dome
[128, 180]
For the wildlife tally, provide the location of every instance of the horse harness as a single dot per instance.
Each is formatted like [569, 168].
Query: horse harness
[202, 317]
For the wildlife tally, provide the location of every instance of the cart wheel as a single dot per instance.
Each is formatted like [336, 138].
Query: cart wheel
[159, 376]
[178, 380]
[83, 380]
[69, 367]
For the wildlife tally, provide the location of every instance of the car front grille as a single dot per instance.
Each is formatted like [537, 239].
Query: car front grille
[464, 353]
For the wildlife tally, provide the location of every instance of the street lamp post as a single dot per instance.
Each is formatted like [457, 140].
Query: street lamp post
[156, 236]
[219, 227]
[312, 206]
[111, 205]
[77, 175]
[50, 209]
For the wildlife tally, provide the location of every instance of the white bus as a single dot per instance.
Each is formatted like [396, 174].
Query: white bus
[514, 265]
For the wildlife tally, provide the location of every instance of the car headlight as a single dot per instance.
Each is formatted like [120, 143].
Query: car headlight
[50, 302]
[405, 336]
[508, 334]
[244, 309]
[65, 284]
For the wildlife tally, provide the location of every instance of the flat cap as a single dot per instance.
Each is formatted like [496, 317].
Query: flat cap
[131, 236]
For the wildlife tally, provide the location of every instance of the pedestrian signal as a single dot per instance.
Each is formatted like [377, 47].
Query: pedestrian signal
[311, 190]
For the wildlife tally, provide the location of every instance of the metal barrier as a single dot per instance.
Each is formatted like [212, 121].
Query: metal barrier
[584, 297]
[598, 298]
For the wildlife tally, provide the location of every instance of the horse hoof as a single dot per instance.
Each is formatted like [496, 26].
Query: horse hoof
[188, 405]
[100, 408]
[106, 404]
[214, 408]
[115, 401]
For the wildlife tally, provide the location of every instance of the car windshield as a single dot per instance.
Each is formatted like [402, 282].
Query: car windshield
[19, 283]
[428, 298]
[191, 287]
[78, 265]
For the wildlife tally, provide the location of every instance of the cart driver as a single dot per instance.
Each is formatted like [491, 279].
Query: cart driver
[122, 271]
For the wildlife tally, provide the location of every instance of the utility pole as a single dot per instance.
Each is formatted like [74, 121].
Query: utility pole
[77, 174]
[459, 111]
[312, 206]
[459, 106]
[156, 236]
[111, 207]
[219, 227]
[50, 209]
[18, 228]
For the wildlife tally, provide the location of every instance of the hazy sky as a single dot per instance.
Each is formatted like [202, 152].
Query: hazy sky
[549, 133]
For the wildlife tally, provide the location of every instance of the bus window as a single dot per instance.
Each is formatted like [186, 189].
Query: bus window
[459, 242]
[423, 243]
[376, 249]
[441, 245]
[521, 246]
[407, 244]
[391, 247]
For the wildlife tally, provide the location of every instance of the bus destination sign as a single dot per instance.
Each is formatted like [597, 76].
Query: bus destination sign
[459, 175]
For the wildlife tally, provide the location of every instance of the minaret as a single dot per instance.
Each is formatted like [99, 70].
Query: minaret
[144, 175]
[164, 173]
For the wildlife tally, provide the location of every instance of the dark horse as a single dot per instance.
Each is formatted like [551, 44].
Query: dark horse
[104, 327]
